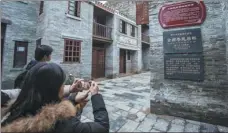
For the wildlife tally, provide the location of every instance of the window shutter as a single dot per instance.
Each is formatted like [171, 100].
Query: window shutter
[126, 25]
[71, 7]
[38, 42]
[135, 31]
[78, 8]
[41, 7]
[131, 31]
[120, 26]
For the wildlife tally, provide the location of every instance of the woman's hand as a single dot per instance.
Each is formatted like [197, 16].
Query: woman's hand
[76, 86]
[82, 96]
[79, 85]
[94, 88]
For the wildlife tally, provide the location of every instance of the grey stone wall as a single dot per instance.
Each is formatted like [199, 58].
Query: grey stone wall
[128, 8]
[110, 49]
[42, 24]
[60, 25]
[109, 61]
[23, 28]
[146, 58]
[204, 101]
[116, 50]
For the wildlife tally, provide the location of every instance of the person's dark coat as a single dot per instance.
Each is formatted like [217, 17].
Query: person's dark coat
[31, 64]
[62, 118]
[20, 78]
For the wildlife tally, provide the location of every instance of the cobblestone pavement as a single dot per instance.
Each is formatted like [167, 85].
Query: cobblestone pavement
[127, 101]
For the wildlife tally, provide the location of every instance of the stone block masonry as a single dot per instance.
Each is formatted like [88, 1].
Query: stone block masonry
[203, 101]
[22, 28]
[59, 25]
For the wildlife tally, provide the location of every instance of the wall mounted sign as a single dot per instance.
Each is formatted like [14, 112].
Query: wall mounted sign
[183, 41]
[142, 12]
[20, 49]
[184, 67]
[182, 14]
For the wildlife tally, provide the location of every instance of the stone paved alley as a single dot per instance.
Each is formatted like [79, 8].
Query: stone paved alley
[127, 101]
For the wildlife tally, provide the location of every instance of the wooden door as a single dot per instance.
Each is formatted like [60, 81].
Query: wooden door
[98, 62]
[122, 61]
[20, 54]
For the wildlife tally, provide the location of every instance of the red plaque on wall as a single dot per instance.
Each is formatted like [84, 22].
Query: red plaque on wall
[182, 14]
[142, 12]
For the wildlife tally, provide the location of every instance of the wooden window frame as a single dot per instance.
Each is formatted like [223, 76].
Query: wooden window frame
[133, 29]
[77, 8]
[120, 26]
[38, 42]
[41, 7]
[123, 30]
[26, 53]
[75, 48]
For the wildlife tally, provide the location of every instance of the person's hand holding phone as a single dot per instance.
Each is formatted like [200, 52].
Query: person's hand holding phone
[82, 96]
[93, 88]
[79, 85]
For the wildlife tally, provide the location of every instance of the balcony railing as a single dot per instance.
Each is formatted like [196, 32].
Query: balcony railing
[102, 31]
[145, 38]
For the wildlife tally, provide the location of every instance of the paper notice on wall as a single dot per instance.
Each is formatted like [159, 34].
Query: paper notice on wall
[20, 49]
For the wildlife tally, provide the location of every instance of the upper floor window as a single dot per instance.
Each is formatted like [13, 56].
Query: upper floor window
[72, 50]
[133, 30]
[123, 27]
[41, 7]
[74, 8]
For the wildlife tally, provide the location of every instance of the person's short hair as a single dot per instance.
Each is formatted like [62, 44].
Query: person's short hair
[41, 51]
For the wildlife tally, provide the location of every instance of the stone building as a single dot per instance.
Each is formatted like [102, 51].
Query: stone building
[128, 8]
[205, 100]
[18, 37]
[90, 40]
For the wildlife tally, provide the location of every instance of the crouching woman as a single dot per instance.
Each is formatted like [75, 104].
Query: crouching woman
[40, 108]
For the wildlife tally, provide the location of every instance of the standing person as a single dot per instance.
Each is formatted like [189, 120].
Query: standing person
[42, 54]
[34, 111]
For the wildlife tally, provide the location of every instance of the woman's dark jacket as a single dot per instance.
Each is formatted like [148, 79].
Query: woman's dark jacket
[62, 118]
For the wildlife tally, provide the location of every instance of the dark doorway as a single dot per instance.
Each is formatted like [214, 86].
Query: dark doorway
[3, 32]
[98, 62]
[122, 61]
[145, 57]
[20, 54]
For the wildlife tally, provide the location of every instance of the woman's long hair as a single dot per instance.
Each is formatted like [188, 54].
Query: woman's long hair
[41, 86]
